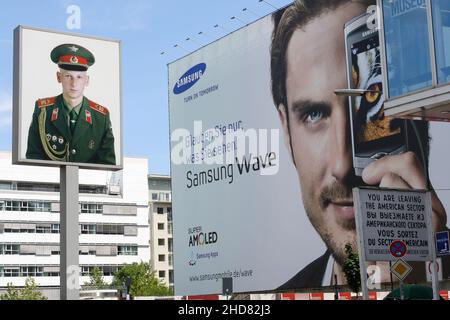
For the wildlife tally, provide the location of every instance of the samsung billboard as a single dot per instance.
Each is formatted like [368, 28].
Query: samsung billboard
[265, 154]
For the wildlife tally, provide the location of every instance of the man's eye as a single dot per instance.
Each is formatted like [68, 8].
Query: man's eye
[313, 116]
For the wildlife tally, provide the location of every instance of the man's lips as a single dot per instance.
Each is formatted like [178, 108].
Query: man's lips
[343, 208]
[343, 203]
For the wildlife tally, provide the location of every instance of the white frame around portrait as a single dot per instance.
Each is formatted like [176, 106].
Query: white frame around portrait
[35, 78]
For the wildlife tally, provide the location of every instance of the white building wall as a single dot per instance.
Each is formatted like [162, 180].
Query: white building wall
[134, 192]
[163, 201]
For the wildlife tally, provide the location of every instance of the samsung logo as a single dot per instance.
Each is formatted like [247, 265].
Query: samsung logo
[368, 33]
[188, 79]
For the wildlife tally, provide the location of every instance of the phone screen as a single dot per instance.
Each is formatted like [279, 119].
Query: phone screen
[369, 122]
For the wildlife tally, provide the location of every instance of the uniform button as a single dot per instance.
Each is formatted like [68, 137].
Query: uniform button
[73, 151]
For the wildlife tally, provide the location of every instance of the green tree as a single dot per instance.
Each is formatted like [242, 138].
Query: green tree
[29, 292]
[96, 279]
[143, 280]
[351, 269]
[12, 293]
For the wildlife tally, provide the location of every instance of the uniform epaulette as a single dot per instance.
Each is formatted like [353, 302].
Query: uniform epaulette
[98, 108]
[42, 103]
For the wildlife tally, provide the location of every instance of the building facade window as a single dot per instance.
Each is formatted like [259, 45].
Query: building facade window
[94, 208]
[43, 229]
[11, 271]
[31, 271]
[110, 229]
[9, 249]
[28, 206]
[107, 270]
[55, 228]
[31, 228]
[161, 242]
[6, 185]
[161, 258]
[160, 226]
[88, 229]
[159, 210]
[104, 229]
[162, 274]
[127, 250]
[169, 214]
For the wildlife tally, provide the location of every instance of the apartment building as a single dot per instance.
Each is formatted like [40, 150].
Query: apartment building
[113, 222]
[160, 206]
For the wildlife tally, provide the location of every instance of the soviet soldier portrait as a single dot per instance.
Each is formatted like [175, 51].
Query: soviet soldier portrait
[70, 127]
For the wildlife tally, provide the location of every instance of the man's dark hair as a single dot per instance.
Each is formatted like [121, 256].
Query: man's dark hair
[286, 21]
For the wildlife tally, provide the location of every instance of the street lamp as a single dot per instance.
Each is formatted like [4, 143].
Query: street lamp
[354, 92]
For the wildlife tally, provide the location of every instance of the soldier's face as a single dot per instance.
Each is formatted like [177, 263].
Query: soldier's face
[319, 125]
[73, 83]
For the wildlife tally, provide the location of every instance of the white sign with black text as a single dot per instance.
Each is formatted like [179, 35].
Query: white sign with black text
[386, 215]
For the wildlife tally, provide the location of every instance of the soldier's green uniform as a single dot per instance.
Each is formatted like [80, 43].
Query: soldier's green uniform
[50, 137]
[54, 135]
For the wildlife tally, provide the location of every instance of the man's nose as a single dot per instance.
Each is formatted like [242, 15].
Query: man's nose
[340, 156]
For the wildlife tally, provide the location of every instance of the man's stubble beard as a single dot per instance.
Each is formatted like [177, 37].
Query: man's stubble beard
[315, 207]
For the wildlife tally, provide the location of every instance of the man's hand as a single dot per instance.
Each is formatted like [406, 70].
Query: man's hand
[404, 171]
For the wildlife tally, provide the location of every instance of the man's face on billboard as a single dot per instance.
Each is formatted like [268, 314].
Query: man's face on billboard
[73, 83]
[319, 125]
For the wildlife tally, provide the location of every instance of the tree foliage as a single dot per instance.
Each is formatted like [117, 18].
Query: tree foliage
[143, 280]
[96, 279]
[29, 292]
[351, 269]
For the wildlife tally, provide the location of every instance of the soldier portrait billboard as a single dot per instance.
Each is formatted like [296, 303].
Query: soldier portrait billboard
[277, 213]
[67, 100]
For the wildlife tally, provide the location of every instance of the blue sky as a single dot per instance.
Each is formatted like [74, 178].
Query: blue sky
[146, 28]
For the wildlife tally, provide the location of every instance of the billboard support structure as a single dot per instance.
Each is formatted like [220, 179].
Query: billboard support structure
[69, 236]
[361, 251]
[432, 247]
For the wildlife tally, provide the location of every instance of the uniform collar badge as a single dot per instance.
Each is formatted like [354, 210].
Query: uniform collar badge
[88, 117]
[55, 114]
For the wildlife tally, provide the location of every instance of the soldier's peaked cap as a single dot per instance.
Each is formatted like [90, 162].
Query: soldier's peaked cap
[71, 56]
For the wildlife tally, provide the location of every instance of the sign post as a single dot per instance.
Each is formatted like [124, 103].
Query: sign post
[434, 273]
[398, 249]
[401, 269]
[360, 238]
[69, 235]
